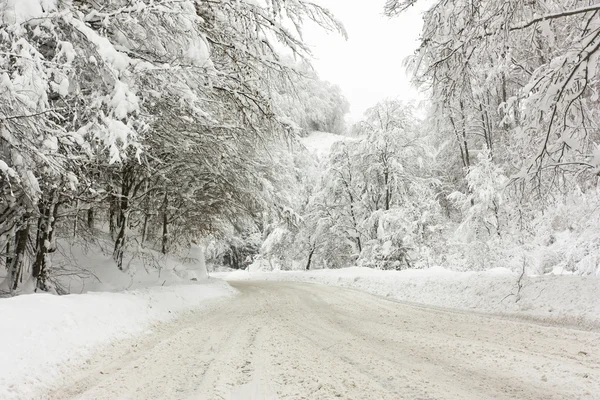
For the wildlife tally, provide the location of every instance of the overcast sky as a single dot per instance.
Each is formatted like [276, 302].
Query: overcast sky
[369, 65]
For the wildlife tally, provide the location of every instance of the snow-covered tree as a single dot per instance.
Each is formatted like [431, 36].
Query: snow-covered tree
[114, 108]
[517, 75]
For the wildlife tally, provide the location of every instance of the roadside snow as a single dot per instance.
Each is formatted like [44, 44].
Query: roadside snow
[45, 334]
[571, 300]
[79, 268]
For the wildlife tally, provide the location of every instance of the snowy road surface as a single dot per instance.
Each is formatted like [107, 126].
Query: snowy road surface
[299, 341]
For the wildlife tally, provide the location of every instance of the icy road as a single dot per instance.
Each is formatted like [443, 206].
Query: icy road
[301, 341]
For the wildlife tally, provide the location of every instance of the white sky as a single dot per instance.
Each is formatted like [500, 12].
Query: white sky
[369, 66]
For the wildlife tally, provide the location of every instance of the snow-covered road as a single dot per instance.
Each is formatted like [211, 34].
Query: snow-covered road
[284, 340]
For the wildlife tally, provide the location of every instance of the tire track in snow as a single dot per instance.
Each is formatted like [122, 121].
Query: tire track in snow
[300, 341]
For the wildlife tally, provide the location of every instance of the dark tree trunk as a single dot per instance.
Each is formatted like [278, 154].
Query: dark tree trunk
[90, 218]
[8, 255]
[45, 240]
[464, 136]
[235, 259]
[146, 217]
[76, 219]
[128, 179]
[120, 244]
[40, 237]
[165, 231]
[388, 190]
[145, 228]
[310, 256]
[112, 216]
[18, 259]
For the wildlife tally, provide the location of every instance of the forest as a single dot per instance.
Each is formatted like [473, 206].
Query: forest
[154, 124]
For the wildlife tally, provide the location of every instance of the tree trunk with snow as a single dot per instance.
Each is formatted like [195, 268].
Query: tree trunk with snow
[45, 240]
[123, 215]
[18, 258]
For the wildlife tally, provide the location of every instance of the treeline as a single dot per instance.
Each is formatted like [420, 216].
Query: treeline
[148, 116]
[500, 167]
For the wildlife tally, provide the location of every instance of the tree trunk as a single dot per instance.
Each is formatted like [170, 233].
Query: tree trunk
[18, 259]
[90, 218]
[388, 190]
[145, 228]
[123, 215]
[146, 216]
[8, 255]
[347, 186]
[76, 219]
[45, 240]
[112, 215]
[165, 232]
[235, 259]
[464, 135]
[120, 243]
[310, 256]
[458, 141]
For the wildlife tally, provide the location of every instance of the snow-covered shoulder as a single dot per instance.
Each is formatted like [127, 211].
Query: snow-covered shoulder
[46, 335]
[570, 300]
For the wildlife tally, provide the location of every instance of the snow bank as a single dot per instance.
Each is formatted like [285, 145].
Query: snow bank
[89, 267]
[44, 334]
[571, 300]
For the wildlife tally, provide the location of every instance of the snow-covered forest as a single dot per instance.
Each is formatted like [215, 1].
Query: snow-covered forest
[167, 161]
[158, 123]
[497, 168]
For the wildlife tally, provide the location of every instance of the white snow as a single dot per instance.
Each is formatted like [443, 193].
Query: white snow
[288, 340]
[90, 268]
[320, 143]
[571, 300]
[19, 11]
[123, 101]
[107, 51]
[197, 254]
[46, 336]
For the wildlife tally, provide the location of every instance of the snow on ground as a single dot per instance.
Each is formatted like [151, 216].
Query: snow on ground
[289, 340]
[46, 335]
[320, 143]
[571, 300]
[79, 267]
